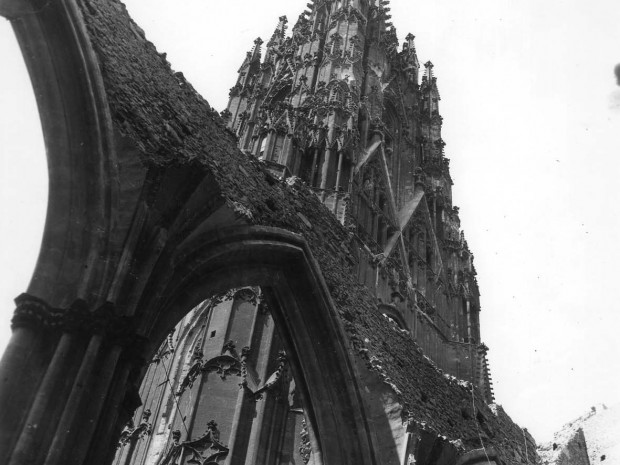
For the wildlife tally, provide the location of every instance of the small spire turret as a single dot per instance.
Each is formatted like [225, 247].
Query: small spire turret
[429, 85]
[383, 14]
[301, 20]
[409, 45]
[251, 57]
[410, 58]
[428, 73]
[255, 53]
[245, 81]
[279, 32]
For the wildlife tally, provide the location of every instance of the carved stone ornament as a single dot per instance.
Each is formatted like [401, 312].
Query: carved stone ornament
[274, 380]
[33, 312]
[226, 364]
[132, 433]
[305, 449]
[247, 294]
[206, 450]
[190, 377]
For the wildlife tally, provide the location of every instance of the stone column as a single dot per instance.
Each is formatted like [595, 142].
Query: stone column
[76, 363]
[313, 167]
[338, 176]
[327, 160]
[21, 369]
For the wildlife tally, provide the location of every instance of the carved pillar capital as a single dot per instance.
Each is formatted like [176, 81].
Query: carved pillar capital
[35, 313]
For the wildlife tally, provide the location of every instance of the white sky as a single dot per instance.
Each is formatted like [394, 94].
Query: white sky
[527, 90]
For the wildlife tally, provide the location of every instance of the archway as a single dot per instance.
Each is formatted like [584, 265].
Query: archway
[281, 263]
[88, 322]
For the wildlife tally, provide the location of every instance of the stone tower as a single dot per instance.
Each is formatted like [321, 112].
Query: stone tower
[338, 104]
[287, 284]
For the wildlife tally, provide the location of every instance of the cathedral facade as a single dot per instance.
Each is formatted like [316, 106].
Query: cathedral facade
[340, 105]
[286, 282]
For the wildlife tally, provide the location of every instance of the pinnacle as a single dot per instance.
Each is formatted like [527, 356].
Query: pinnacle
[281, 27]
[280, 30]
[410, 43]
[428, 74]
[255, 52]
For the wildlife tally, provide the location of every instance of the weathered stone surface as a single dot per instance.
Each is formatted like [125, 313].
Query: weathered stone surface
[161, 113]
[593, 438]
[568, 448]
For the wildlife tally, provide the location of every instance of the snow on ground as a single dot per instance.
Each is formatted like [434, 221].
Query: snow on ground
[601, 427]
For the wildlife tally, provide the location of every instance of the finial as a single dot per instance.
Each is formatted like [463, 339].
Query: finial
[410, 41]
[281, 27]
[279, 32]
[255, 52]
[428, 74]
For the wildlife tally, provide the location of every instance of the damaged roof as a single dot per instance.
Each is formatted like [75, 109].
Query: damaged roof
[171, 124]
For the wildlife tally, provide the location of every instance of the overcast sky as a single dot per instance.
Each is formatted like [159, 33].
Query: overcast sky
[532, 125]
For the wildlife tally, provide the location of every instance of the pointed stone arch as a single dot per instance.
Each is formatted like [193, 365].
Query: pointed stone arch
[281, 263]
[77, 345]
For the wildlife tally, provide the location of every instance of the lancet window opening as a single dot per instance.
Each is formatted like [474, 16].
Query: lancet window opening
[219, 389]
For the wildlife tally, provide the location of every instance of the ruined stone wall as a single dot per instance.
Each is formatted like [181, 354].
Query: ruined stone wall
[566, 449]
[170, 124]
[597, 431]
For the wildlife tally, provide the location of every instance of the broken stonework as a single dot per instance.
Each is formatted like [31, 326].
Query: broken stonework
[328, 226]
